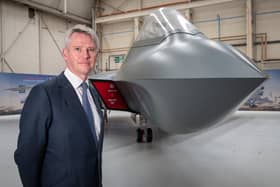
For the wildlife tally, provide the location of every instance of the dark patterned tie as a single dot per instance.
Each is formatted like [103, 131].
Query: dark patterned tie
[87, 108]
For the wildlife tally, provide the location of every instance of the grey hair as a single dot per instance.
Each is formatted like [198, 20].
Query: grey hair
[82, 29]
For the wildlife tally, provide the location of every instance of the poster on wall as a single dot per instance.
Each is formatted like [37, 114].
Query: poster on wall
[267, 96]
[14, 88]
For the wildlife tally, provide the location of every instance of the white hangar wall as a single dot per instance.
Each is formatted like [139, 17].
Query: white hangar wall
[116, 40]
[226, 21]
[32, 44]
[31, 40]
[268, 21]
[20, 51]
[81, 8]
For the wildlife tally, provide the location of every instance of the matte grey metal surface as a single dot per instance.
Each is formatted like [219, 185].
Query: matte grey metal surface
[179, 79]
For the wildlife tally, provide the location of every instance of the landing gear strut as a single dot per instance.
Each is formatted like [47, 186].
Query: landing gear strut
[149, 137]
[144, 134]
[140, 135]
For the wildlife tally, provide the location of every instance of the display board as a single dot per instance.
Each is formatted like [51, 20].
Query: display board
[267, 96]
[14, 88]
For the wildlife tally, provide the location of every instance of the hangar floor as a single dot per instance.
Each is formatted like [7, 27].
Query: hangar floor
[244, 152]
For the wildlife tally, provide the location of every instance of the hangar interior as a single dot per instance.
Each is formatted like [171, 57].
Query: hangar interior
[242, 152]
[250, 25]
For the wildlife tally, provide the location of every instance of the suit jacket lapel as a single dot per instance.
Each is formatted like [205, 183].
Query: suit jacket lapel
[72, 101]
[98, 106]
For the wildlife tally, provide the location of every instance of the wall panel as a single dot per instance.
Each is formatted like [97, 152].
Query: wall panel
[227, 19]
[232, 19]
[52, 34]
[1, 40]
[20, 39]
[81, 8]
[112, 6]
[34, 43]
[268, 21]
[149, 3]
[116, 40]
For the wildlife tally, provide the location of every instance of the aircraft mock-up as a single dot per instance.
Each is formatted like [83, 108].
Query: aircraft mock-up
[177, 78]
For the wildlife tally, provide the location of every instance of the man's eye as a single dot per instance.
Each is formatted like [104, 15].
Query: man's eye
[91, 49]
[77, 49]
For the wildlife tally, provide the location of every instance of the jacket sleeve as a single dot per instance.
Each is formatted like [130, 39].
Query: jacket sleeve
[33, 129]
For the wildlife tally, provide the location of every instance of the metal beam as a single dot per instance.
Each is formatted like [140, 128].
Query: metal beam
[136, 27]
[113, 7]
[40, 44]
[1, 36]
[139, 4]
[188, 14]
[65, 8]
[249, 28]
[54, 11]
[93, 24]
[137, 13]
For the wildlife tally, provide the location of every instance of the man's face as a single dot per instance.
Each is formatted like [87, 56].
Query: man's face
[80, 54]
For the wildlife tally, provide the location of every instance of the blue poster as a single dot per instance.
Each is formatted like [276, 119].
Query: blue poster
[14, 88]
[267, 96]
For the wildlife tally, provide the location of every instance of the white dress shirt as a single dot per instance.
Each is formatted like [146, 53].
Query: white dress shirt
[76, 83]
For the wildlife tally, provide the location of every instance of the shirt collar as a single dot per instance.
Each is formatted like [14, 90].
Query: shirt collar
[73, 79]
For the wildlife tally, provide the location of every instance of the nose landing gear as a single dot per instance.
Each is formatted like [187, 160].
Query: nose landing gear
[144, 133]
[144, 137]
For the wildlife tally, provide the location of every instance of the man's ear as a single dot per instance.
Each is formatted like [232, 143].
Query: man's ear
[65, 54]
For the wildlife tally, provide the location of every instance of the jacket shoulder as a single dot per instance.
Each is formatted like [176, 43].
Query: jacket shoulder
[54, 82]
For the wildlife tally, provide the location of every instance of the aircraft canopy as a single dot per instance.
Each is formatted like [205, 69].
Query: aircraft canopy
[163, 22]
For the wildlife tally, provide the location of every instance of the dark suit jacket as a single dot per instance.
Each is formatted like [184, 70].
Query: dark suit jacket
[55, 146]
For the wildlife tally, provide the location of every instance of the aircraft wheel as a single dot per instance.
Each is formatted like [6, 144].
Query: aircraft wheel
[140, 135]
[149, 135]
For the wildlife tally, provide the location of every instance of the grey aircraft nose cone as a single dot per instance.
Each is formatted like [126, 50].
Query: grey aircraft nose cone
[180, 80]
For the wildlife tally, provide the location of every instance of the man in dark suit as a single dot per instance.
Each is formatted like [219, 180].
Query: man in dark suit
[61, 125]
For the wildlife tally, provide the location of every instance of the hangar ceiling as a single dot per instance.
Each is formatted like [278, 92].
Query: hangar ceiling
[80, 11]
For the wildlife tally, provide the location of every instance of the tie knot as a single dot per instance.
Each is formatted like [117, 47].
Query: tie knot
[84, 85]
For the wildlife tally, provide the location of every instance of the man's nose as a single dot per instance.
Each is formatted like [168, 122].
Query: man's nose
[86, 53]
